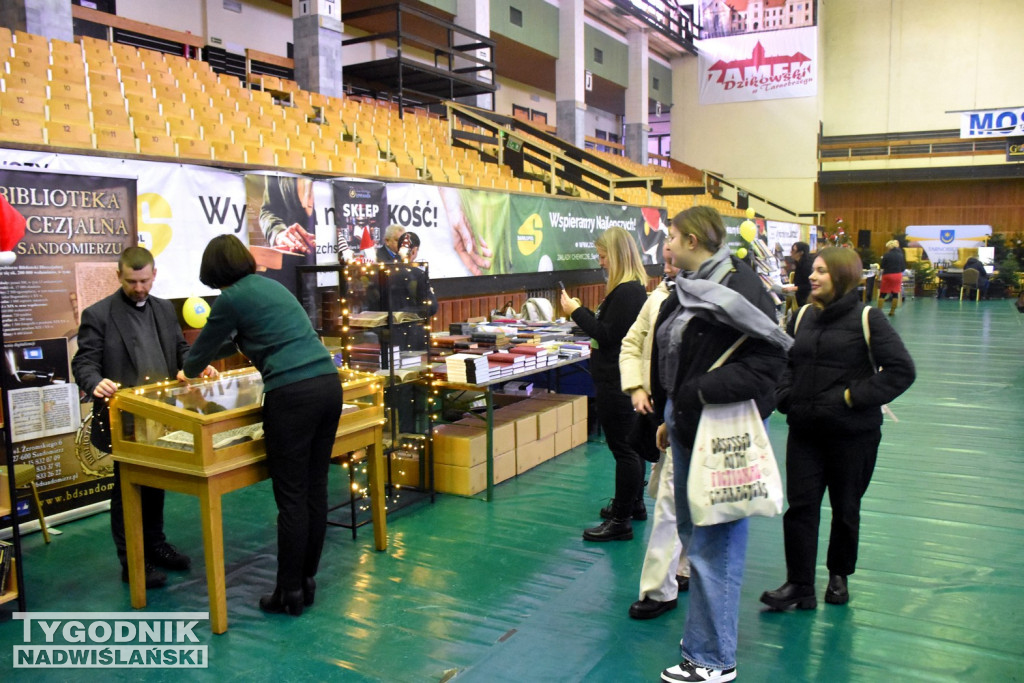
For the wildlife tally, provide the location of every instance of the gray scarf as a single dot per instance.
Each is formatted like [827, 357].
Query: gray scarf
[701, 293]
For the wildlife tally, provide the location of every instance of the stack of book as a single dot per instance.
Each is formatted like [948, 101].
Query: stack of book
[505, 364]
[573, 350]
[496, 340]
[372, 357]
[368, 319]
[536, 356]
[468, 368]
[6, 555]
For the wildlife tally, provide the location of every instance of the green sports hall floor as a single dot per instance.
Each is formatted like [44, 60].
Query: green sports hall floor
[508, 591]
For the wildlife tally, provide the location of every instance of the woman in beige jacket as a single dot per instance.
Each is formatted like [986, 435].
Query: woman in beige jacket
[664, 559]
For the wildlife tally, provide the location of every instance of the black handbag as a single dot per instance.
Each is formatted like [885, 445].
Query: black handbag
[644, 435]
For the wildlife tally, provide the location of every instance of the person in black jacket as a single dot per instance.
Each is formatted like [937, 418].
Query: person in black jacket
[801, 253]
[832, 393]
[893, 264]
[718, 298]
[626, 293]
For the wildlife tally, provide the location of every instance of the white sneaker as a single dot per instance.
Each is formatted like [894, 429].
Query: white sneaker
[691, 673]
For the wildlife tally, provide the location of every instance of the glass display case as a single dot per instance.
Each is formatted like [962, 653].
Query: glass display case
[214, 425]
[378, 315]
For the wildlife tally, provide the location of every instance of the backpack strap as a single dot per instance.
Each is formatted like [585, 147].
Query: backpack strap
[871, 357]
[799, 316]
[728, 352]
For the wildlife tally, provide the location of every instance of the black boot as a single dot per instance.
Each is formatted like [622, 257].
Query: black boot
[789, 595]
[308, 590]
[611, 530]
[281, 601]
[837, 593]
[639, 512]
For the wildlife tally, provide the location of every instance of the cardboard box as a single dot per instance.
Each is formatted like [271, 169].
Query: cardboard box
[527, 457]
[405, 469]
[504, 434]
[525, 425]
[464, 481]
[563, 440]
[507, 399]
[545, 448]
[460, 445]
[579, 434]
[579, 404]
[469, 481]
[504, 466]
[545, 412]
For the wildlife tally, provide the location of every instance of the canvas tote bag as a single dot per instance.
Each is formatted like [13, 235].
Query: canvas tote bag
[733, 473]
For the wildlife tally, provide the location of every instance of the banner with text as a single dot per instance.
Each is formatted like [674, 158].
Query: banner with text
[76, 228]
[760, 66]
[941, 242]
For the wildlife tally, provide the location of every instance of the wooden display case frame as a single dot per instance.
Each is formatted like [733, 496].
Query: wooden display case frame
[208, 473]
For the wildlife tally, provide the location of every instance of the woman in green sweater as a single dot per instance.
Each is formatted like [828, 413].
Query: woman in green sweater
[301, 404]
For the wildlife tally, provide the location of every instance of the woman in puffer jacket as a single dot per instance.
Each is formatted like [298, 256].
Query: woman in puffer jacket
[833, 392]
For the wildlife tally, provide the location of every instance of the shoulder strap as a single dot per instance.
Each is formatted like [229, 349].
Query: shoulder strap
[803, 309]
[728, 352]
[867, 335]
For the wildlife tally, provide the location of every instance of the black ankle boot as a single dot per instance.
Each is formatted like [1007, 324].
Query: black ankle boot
[837, 592]
[790, 595]
[282, 601]
[611, 530]
[308, 590]
[639, 511]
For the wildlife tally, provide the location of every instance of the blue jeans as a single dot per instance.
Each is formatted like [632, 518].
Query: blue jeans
[717, 556]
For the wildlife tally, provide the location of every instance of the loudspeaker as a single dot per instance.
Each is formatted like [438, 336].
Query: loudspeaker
[863, 239]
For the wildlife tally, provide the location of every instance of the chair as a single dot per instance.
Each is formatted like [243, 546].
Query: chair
[970, 281]
[115, 139]
[25, 485]
[69, 134]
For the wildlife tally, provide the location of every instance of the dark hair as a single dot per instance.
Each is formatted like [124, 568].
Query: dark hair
[410, 238]
[135, 258]
[225, 261]
[844, 267]
[802, 247]
[704, 223]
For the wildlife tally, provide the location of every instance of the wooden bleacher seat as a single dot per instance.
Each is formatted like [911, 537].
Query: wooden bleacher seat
[105, 97]
[259, 155]
[215, 130]
[132, 86]
[235, 118]
[291, 158]
[177, 108]
[193, 148]
[224, 150]
[317, 162]
[115, 139]
[247, 136]
[23, 128]
[69, 134]
[167, 92]
[155, 143]
[68, 90]
[17, 102]
[68, 109]
[104, 80]
[110, 115]
[204, 110]
[181, 127]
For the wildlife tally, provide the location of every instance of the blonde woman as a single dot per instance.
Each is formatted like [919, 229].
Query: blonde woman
[625, 295]
[893, 265]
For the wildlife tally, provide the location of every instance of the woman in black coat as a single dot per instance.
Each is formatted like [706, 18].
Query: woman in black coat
[626, 293]
[832, 393]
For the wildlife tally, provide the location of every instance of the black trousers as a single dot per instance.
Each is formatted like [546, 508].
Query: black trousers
[152, 517]
[815, 462]
[615, 413]
[300, 421]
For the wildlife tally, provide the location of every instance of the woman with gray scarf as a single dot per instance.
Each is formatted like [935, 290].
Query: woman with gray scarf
[718, 299]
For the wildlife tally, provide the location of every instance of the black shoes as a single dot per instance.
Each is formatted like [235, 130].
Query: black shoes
[167, 556]
[789, 595]
[308, 590]
[683, 582]
[649, 609]
[837, 593]
[639, 511]
[154, 577]
[284, 602]
[611, 530]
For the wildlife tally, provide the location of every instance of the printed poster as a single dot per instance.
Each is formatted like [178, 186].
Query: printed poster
[759, 66]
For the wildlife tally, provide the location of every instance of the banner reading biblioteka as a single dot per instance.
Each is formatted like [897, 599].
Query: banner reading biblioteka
[759, 66]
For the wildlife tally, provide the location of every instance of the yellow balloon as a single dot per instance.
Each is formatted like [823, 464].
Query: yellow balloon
[741, 252]
[748, 230]
[195, 311]
[751, 213]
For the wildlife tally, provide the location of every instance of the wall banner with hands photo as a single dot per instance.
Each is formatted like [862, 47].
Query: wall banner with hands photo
[361, 211]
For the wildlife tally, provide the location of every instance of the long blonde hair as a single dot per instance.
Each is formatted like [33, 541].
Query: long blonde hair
[624, 263]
